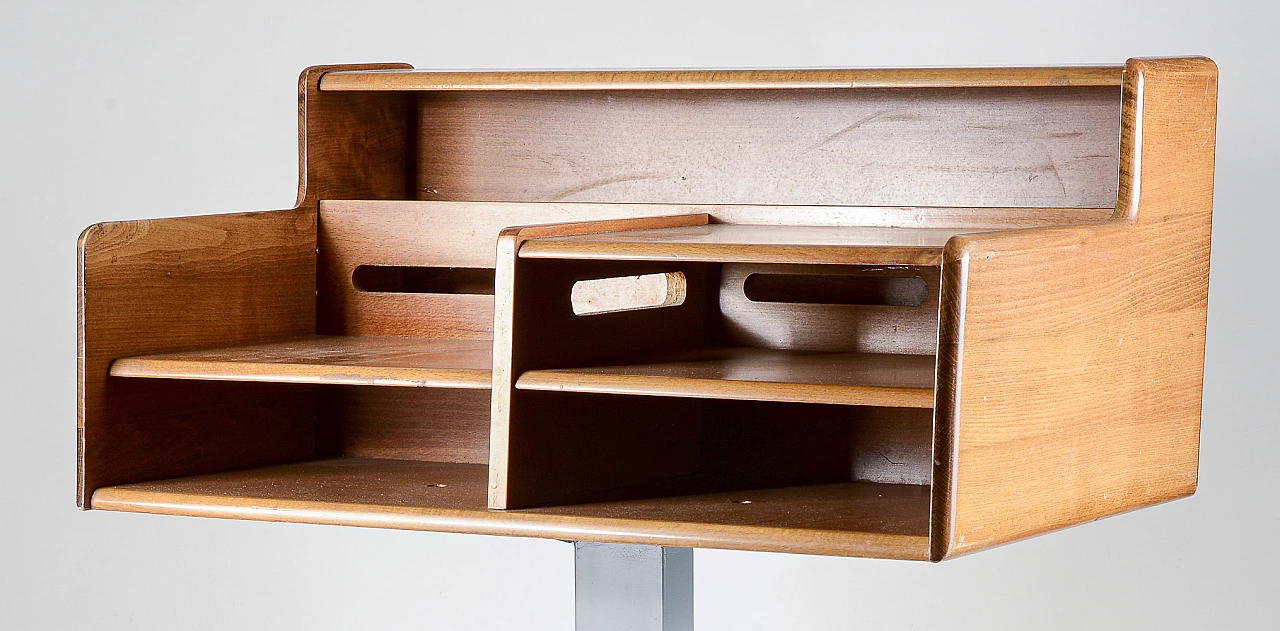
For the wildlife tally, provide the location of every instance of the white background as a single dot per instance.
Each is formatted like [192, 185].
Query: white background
[133, 110]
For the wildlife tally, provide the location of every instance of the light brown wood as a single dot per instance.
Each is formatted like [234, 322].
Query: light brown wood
[848, 328]
[754, 374]
[426, 424]
[852, 519]
[431, 80]
[367, 361]
[1025, 250]
[998, 147]
[753, 244]
[178, 284]
[464, 234]
[1074, 356]
[426, 234]
[173, 284]
[893, 446]
[509, 359]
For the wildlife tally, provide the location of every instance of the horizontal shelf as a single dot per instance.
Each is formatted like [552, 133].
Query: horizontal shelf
[360, 361]
[827, 245]
[849, 519]
[756, 374]
[428, 80]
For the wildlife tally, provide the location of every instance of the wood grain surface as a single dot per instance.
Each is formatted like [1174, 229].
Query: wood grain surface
[425, 234]
[1059, 219]
[851, 519]
[352, 146]
[528, 321]
[166, 285]
[756, 374]
[346, 360]
[1072, 358]
[432, 80]
[753, 244]
[1014, 147]
[848, 328]
[424, 424]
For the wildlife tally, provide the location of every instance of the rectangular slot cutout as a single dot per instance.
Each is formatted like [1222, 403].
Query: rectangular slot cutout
[832, 289]
[628, 293]
[402, 279]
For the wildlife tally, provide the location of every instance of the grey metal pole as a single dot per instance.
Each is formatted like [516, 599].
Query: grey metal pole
[624, 587]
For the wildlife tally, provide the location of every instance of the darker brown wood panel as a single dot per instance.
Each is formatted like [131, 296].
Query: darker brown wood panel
[406, 423]
[352, 145]
[1048, 147]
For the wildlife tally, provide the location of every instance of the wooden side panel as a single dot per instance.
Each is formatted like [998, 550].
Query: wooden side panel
[533, 312]
[1039, 147]
[179, 284]
[1072, 358]
[352, 145]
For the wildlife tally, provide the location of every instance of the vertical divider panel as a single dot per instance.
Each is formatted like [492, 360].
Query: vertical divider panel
[511, 484]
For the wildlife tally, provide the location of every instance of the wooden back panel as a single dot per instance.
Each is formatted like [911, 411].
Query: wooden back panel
[1037, 147]
[354, 233]
[812, 326]
[462, 234]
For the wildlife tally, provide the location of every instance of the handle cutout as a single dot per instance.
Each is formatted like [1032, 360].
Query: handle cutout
[628, 293]
[400, 279]
[835, 289]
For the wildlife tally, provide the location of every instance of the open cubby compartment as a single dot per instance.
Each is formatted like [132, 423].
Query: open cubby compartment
[684, 357]
[355, 359]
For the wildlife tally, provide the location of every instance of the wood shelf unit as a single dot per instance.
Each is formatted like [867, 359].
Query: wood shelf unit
[899, 313]
[328, 359]
[754, 374]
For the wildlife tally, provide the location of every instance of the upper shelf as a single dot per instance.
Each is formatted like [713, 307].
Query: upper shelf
[824, 245]
[427, 80]
[358, 361]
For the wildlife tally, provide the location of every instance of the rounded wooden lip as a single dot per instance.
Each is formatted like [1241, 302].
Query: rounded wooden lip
[1002, 77]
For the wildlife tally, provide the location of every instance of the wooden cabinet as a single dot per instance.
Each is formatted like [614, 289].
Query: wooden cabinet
[888, 313]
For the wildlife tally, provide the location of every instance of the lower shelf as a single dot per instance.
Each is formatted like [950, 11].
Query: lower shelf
[851, 519]
[361, 361]
[757, 374]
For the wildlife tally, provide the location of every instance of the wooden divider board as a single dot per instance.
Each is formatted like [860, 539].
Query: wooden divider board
[463, 234]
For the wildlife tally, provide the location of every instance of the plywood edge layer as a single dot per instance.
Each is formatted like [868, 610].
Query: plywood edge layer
[736, 253]
[427, 80]
[574, 381]
[157, 368]
[509, 523]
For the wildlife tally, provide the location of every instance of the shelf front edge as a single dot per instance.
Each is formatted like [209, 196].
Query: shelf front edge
[879, 396]
[814, 78]
[151, 368]
[509, 523]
